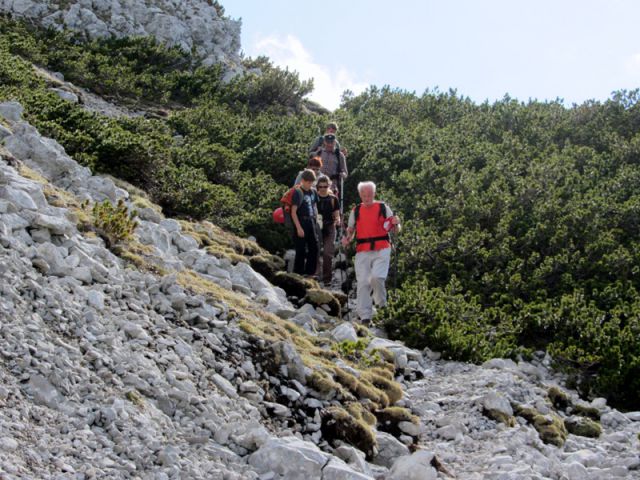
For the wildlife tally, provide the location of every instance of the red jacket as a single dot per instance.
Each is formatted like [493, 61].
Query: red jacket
[370, 231]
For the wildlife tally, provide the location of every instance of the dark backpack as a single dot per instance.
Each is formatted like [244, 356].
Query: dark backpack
[318, 145]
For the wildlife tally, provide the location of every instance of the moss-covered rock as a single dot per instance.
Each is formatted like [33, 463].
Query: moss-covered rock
[550, 428]
[267, 265]
[359, 411]
[361, 388]
[318, 297]
[500, 416]
[528, 413]
[390, 417]
[586, 410]
[391, 388]
[361, 330]
[585, 427]
[293, 284]
[559, 398]
[338, 424]
[134, 397]
[322, 383]
[341, 297]
[498, 408]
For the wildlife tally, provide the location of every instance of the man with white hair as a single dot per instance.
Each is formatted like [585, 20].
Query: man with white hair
[370, 223]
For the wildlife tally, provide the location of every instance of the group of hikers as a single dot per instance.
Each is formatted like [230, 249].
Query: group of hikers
[313, 208]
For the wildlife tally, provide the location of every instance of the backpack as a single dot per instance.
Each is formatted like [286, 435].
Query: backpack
[382, 213]
[318, 144]
[287, 202]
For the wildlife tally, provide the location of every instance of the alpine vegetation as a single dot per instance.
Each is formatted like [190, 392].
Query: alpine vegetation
[465, 296]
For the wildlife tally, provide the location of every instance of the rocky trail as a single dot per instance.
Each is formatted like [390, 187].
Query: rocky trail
[177, 359]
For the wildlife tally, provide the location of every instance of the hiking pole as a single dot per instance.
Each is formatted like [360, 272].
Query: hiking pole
[320, 241]
[345, 284]
[394, 265]
[341, 198]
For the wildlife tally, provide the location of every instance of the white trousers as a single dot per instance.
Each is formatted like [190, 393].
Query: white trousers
[372, 268]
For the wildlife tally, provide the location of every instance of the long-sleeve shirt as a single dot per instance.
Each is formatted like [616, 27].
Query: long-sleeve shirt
[318, 144]
[330, 164]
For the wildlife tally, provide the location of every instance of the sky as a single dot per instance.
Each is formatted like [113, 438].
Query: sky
[484, 49]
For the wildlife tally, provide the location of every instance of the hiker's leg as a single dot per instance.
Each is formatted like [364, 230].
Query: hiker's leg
[312, 249]
[379, 271]
[300, 246]
[363, 275]
[328, 251]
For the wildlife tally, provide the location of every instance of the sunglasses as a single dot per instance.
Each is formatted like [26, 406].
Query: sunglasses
[329, 138]
[323, 187]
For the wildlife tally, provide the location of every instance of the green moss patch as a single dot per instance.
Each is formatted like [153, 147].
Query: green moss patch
[390, 417]
[550, 428]
[559, 398]
[585, 427]
[318, 297]
[339, 424]
[586, 411]
[293, 284]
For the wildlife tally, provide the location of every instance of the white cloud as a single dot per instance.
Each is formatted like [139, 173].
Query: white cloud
[633, 64]
[329, 80]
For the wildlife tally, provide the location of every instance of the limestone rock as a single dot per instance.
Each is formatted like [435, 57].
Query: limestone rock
[195, 24]
[288, 357]
[56, 225]
[4, 132]
[416, 466]
[354, 457]
[66, 95]
[11, 111]
[290, 457]
[19, 198]
[224, 385]
[338, 470]
[389, 449]
[344, 332]
[498, 408]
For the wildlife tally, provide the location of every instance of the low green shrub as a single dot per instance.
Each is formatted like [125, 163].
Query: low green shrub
[114, 223]
[448, 321]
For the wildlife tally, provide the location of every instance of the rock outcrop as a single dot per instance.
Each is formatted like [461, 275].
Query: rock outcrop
[193, 25]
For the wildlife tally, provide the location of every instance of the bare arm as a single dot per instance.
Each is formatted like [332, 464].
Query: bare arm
[395, 221]
[348, 238]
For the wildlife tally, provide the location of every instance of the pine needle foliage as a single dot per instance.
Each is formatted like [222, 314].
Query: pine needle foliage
[114, 223]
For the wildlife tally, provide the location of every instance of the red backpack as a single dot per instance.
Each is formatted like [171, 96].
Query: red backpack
[287, 202]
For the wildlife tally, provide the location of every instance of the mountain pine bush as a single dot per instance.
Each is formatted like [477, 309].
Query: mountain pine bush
[521, 220]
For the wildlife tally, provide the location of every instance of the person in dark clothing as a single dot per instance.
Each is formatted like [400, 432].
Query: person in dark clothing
[304, 217]
[332, 129]
[329, 210]
[334, 163]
